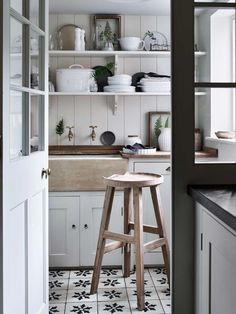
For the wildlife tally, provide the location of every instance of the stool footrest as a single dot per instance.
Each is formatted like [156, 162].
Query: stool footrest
[146, 228]
[113, 246]
[152, 245]
[118, 237]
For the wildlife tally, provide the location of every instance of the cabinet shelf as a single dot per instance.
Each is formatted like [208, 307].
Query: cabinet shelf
[116, 94]
[100, 53]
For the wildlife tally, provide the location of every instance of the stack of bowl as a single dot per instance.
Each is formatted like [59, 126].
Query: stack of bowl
[119, 84]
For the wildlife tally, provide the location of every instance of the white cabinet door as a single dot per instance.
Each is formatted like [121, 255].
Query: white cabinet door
[90, 218]
[155, 257]
[217, 282]
[63, 231]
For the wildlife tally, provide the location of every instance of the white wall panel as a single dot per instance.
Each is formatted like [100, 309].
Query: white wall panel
[132, 112]
[82, 120]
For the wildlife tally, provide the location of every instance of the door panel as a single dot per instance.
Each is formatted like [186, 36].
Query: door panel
[37, 252]
[16, 277]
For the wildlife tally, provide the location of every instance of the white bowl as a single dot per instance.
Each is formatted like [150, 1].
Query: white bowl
[131, 43]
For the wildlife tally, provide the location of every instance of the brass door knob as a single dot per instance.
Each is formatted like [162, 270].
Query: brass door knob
[46, 173]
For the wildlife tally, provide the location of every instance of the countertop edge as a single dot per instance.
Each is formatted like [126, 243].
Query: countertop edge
[222, 214]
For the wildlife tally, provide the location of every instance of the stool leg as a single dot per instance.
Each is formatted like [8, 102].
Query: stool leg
[138, 237]
[101, 241]
[156, 199]
[127, 247]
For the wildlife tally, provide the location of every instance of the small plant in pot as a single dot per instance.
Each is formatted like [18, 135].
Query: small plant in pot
[163, 134]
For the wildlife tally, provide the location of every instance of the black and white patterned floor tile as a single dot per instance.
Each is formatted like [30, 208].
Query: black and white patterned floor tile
[79, 283]
[57, 308]
[151, 306]
[69, 292]
[59, 274]
[150, 293]
[111, 273]
[57, 296]
[113, 307]
[81, 308]
[166, 304]
[58, 284]
[163, 292]
[81, 274]
[112, 294]
[160, 281]
[111, 282]
[157, 272]
[80, 296]
[131, 282]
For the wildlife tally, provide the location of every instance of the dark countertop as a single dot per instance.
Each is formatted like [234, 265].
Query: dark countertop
[219, 200]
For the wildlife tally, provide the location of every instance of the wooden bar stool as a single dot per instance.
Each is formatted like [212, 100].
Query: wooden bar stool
[129, 182]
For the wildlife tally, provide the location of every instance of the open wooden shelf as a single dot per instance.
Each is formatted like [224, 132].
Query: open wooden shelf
[100, 53]
[116, 94]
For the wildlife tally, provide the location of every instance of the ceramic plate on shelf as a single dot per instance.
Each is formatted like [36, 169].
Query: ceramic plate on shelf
[107, 138]
[156, 38]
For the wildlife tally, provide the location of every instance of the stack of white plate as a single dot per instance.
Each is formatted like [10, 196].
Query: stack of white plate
[120, 84]
[155, 84]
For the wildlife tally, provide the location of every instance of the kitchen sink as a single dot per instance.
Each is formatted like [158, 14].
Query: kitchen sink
[83, 172]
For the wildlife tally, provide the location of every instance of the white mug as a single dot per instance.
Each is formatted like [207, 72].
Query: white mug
[131, 43]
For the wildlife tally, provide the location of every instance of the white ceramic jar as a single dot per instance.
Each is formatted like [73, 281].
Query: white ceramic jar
[74, 79]
[133, 139]
[164, 140]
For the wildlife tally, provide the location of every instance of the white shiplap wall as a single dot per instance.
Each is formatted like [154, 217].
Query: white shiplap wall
[132, 112]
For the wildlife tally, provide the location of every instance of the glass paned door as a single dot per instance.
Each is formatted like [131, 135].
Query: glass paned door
[27, 89]
[214, 79]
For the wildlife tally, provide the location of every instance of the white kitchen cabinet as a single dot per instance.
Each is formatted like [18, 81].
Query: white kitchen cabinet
[74, 222]
[215, 265]
[63, 230]
[163, 168]
[90, 217]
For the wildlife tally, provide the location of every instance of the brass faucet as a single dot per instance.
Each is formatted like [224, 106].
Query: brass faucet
[93, 134]
[70, 133]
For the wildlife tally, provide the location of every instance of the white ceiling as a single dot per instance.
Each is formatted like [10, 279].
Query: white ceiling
[144, 7]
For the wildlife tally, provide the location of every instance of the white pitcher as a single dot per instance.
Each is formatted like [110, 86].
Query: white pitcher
[164, 139]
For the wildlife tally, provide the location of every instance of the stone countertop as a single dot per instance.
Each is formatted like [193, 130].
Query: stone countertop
[208, 153]
[219, 200]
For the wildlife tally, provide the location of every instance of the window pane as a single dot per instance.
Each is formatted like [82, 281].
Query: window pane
[34, 56]
[215, 121]
[34, 12]
[17, 5]
[214, 34]
[16, 52]
[16, 132]
[36, 118]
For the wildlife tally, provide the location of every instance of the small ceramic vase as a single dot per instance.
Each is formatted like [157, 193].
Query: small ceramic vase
[164, 140]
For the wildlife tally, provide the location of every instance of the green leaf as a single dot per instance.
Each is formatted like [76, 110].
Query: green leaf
[60, 128]
[158, 126]
[167, 122]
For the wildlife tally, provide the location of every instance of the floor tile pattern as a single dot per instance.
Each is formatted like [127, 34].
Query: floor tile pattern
[69, 292]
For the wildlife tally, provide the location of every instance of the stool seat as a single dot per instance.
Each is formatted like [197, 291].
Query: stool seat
[132, 179]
